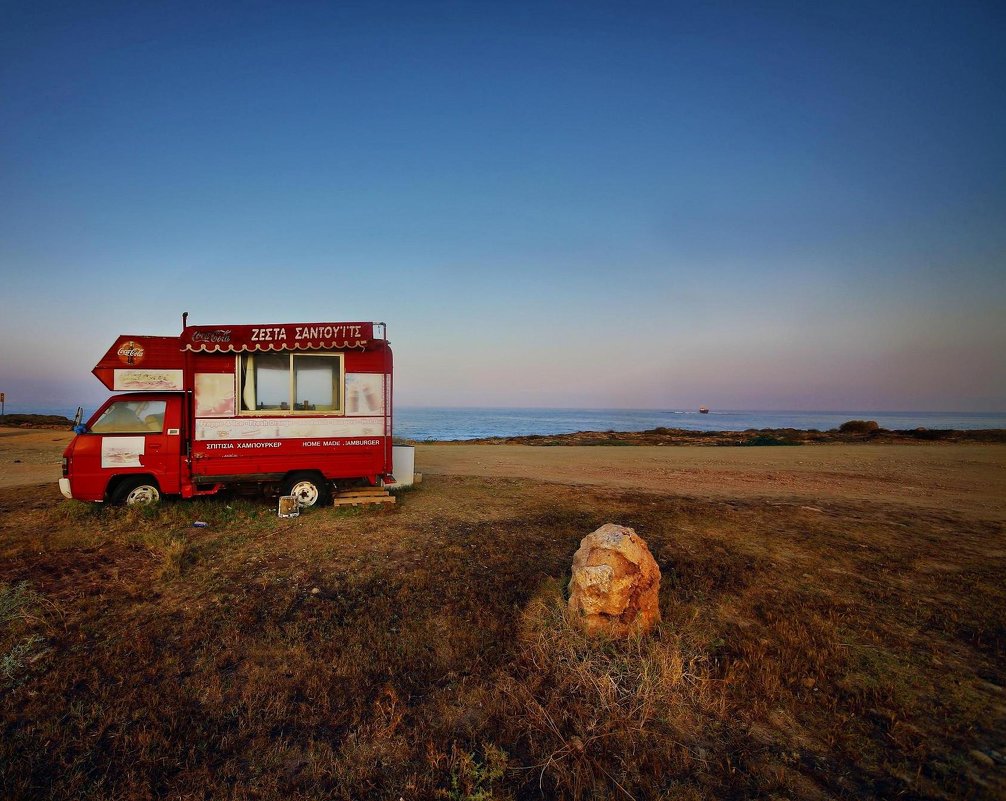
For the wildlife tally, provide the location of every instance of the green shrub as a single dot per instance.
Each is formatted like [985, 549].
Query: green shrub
[932, 434]
[472, 779]
[765, 439]
[859, 427]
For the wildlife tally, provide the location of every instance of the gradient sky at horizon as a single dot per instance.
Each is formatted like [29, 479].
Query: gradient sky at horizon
[641, 205]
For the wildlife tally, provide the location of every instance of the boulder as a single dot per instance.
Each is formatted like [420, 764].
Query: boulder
[615, 585]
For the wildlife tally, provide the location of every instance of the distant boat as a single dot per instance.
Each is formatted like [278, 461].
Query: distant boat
[703, 410]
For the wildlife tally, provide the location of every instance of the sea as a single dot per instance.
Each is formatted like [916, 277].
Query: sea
[441, 423]
[461, 423]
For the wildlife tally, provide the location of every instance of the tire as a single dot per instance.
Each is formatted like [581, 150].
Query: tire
[310, 489]
[140, 491]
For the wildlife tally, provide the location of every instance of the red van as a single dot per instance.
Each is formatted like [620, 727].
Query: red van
[293, 408]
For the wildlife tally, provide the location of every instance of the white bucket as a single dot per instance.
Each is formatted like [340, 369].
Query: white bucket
[403, 459]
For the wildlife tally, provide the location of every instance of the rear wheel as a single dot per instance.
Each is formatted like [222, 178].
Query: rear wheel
[137, 492]
[310, 489]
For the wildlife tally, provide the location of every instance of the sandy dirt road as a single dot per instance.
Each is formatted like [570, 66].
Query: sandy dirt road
[31, 455]
[968, 478]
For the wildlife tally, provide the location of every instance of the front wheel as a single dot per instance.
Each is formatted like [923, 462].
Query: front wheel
[137, 492]
[309, 489]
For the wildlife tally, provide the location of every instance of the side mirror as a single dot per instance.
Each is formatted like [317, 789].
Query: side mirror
[78, 416]
[80, 429]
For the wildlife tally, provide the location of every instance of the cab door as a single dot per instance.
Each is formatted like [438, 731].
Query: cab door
[162, 442]
[132, 434]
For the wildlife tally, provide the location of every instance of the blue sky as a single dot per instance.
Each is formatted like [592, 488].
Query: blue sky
[774, 205]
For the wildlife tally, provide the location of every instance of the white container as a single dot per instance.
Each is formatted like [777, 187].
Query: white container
[403, 458]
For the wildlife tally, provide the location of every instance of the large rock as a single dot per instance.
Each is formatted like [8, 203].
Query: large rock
[615, 583]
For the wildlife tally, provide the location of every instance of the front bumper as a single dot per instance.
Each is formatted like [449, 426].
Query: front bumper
[64, 487]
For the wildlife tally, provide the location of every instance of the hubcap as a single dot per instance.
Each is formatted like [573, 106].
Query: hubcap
[144, 495]
[305, 492]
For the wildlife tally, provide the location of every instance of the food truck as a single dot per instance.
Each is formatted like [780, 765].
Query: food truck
[289, 408]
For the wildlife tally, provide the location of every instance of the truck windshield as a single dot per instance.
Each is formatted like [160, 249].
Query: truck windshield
[130, 417]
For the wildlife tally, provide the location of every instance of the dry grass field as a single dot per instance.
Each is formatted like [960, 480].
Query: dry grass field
[814, 644]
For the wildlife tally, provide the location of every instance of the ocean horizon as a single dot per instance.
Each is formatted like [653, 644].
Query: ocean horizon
[460, 423]
[430, 423]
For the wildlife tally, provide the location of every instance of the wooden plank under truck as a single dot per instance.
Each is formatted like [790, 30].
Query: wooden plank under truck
[289, 408]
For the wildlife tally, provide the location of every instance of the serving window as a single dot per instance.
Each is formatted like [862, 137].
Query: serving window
[288, 383]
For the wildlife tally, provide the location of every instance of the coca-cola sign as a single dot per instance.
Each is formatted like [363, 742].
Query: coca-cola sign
[130, 352]
[216, 335]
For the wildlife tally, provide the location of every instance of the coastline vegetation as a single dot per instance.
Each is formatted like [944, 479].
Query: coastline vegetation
[763, 436]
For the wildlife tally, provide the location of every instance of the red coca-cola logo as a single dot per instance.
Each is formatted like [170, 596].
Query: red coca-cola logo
[130, 352]
[219, 335]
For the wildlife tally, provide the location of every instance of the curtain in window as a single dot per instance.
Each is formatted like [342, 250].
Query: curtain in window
[248, 382]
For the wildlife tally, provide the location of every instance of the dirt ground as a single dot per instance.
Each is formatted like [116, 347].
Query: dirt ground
[970, 479]
[30, 455]
[967, 478]
[833, 628]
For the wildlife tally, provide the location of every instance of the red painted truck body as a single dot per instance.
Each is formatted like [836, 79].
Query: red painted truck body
[227, 405]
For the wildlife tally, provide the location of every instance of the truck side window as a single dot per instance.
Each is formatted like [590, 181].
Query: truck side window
[266, 381]
[131, 417]
[316, 383]
[290, 383]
